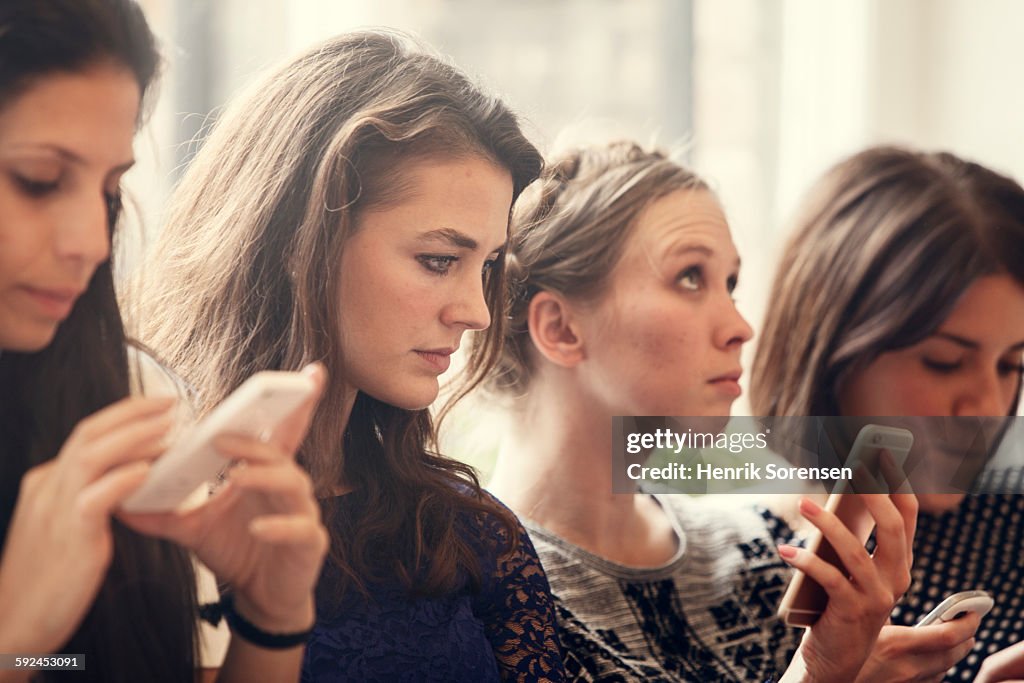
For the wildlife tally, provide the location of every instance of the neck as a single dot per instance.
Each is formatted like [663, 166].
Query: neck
[554, 467]
[344, 415]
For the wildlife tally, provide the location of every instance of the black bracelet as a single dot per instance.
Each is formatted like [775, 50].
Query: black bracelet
[244, 628]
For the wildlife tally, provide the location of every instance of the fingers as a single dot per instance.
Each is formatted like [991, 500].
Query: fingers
[290, 530]
[847, 546]
[827, 575]
[891, 553]
[119, 414]
[289, 435]
[907, 505]
[141, 438]
[289, 486]
[100, 498]
[1005, 666]
[944, 636]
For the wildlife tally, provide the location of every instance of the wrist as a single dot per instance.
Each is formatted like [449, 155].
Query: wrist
[301, 618]
[283, 637]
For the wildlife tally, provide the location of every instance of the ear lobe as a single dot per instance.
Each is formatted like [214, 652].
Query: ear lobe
[553, 330]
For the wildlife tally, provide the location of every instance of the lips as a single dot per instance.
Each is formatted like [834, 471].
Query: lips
[438, 359]
[729, 383]
[55, 302]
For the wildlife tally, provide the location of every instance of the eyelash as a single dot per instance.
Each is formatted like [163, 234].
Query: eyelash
[950, 368]
[689, 272]
[698, 271]
[441, 264]
[438, 264]
[35, 188]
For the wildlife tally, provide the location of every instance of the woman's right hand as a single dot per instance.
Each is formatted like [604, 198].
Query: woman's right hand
[60, 543]
[838, 645]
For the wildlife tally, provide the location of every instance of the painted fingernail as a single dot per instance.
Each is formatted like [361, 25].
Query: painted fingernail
[787, 552]
[809, 507]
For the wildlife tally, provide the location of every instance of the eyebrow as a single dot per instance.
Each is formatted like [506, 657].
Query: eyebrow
[685, 248]
[68, 155]
[456, 238]
[970, 343]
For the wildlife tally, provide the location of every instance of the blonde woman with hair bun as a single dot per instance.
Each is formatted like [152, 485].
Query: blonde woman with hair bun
[622, 269]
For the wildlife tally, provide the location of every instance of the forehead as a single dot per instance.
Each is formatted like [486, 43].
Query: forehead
[680, 220]
[992, 306]
[470, 195]
[90, 113]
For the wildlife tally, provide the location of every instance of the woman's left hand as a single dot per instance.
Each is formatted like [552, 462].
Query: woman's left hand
[261, 531]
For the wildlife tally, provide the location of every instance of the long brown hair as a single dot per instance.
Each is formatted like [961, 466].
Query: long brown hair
[141, 626]
[245, 273]
[887, 242]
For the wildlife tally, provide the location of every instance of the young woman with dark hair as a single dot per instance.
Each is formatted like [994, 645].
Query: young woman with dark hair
[901, 293]
[352, 208]
[76, 575]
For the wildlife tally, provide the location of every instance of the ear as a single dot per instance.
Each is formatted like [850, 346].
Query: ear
[553, 330]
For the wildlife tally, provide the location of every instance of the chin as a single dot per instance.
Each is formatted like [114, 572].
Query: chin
[28, 341]
[410, 397]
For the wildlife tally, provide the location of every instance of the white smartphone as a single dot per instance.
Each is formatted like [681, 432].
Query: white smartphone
[256, 408]
[805, 600]
[958, 604]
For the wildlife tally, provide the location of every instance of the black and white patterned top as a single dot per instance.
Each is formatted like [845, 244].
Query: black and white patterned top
[706, 615]
[979, 545]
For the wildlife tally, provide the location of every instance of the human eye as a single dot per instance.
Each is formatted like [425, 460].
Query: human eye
[489, 265]
[691, 278]
[942, 367]
[1011, 366]
[36, 187]
[731, 283]
[438, 264]
[113, 200]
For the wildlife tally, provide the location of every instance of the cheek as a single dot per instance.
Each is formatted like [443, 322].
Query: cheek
[893, 386]
[662, 344]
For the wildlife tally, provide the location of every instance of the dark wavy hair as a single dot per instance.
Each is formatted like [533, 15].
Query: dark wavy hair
[141, 626]
[245, 275]
[887, 242]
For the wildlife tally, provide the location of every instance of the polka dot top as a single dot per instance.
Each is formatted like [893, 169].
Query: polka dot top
[979, 545]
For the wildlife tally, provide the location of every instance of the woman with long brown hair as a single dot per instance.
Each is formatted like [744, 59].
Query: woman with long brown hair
[901, 293]
[352, 208]
[76, 575]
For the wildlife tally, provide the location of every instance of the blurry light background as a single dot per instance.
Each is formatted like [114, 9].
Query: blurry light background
[763, 95]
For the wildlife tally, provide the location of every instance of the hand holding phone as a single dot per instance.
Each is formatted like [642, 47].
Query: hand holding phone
[255, 409]
[805, 600]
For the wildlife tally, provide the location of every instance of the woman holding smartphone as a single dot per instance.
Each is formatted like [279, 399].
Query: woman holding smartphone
[901, 293]
[76, 575]
[352, 208]
[622, 269]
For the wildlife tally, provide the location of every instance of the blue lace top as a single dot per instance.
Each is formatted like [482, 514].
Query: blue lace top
[504, 632]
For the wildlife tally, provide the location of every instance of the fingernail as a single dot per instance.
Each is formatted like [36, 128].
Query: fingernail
[787, 552]
[809, 507]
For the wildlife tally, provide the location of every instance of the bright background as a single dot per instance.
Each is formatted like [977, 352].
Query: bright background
[763, 95]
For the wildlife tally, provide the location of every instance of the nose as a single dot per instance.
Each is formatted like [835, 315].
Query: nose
[84, 233]
[468, 307]
[732, 329]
